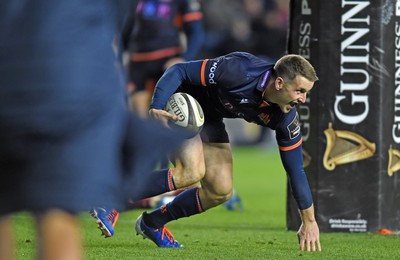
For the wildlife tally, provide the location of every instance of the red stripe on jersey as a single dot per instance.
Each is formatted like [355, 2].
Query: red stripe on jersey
[291, 147]
[203, 68]
[192, 16]
[155, 55]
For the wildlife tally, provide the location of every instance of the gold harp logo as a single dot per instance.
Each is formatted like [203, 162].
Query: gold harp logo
[345, 147]
[394, 161]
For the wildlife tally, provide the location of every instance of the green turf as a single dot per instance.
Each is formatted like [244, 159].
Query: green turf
[256, 233]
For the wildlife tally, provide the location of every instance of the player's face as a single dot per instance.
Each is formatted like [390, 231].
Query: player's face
[293, 93]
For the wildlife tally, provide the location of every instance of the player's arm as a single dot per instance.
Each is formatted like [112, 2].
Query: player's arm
[172, 79]
[292, 160]
[308, 233]
[217, 72]
[194, 33]
[288, 135]
[192, 25]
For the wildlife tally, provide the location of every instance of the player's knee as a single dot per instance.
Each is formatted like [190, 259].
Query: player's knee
[219, 197]
[187, 176]
[225, 197]
[194, 175]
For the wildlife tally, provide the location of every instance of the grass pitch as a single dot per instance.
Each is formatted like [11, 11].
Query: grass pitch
[256, 233]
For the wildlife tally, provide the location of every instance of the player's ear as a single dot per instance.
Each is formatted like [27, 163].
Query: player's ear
[279, 83]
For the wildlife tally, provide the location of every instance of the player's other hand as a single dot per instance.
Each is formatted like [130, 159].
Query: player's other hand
[162, 116]
[308, 236]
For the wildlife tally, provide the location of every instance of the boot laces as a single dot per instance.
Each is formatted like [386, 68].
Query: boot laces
[165, 232]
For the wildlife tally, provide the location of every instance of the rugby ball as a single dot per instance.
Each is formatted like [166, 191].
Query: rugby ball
[189, 112]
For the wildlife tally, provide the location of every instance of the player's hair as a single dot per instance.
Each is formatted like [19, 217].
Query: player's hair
[292, 65]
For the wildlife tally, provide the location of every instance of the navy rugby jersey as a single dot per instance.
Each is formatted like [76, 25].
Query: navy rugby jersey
[153, 28]
[235, 84]
[237, 81]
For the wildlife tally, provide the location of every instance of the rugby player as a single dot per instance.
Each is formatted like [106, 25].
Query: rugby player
[237, 85]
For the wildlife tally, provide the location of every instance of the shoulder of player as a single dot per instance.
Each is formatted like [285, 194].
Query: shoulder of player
[285, 119]
[235, 60]
[288, 126]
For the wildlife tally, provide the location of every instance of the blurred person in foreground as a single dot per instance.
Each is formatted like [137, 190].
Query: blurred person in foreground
[68, 141]
[237, 85]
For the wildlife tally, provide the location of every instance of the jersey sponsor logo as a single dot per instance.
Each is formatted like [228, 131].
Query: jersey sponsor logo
[294, 127]
[211, 74]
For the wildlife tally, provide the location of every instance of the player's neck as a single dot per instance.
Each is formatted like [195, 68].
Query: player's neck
[270, 92]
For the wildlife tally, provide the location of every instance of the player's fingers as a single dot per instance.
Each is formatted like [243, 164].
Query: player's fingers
[301, 243]
[318, 245]
[313, 245]
[155, 113]
[174, 118]
[170, 116]
[308, 245]
[164, 116]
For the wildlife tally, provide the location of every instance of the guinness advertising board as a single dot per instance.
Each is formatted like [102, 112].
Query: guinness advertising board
[351, 120]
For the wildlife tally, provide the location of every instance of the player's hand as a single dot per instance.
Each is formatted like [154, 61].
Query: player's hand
[308, 233]
[308, 236]
[162, 116]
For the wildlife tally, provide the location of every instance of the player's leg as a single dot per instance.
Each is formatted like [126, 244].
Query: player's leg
[139, 88]
[217, 174]
[189, 166]
[217, 155]
[7, 240]
[143, 76]
[216, 186]
[139, 102]
[59, 235]
[189, 169]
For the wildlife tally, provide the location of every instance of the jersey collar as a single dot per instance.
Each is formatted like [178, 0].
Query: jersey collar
[262, 83]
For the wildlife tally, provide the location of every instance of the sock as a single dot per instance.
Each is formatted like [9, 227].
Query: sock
[186, 204]
[156, 183]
